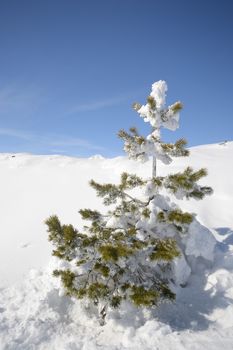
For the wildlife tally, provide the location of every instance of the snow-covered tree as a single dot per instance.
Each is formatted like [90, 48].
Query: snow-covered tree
[142, 247]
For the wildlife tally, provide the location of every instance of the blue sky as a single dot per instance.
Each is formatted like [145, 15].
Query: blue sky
[71, 69]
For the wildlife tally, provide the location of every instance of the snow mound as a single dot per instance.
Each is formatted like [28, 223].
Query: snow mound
[201, 318]
[200, 241]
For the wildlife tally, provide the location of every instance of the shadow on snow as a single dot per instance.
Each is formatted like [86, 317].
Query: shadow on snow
[195, 302]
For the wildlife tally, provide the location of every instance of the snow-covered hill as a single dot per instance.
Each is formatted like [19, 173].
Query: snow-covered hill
[33, 316]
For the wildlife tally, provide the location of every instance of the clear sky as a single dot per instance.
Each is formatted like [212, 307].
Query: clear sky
[71, 69]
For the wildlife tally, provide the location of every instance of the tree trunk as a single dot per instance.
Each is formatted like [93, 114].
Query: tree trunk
[154, 167]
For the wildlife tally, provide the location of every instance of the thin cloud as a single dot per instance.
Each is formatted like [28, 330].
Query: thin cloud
[74, 142]
[96, 105]
[15, 133]
[50, 140]
[15, 98]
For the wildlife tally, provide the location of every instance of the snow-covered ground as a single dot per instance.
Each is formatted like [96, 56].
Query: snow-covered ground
[34, 316]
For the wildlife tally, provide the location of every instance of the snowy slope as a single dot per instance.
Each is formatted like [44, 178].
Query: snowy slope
[35, 187]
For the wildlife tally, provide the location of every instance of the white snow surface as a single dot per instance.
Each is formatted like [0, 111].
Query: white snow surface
[33, 313]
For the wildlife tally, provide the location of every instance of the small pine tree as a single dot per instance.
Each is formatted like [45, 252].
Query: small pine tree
[139, 249]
